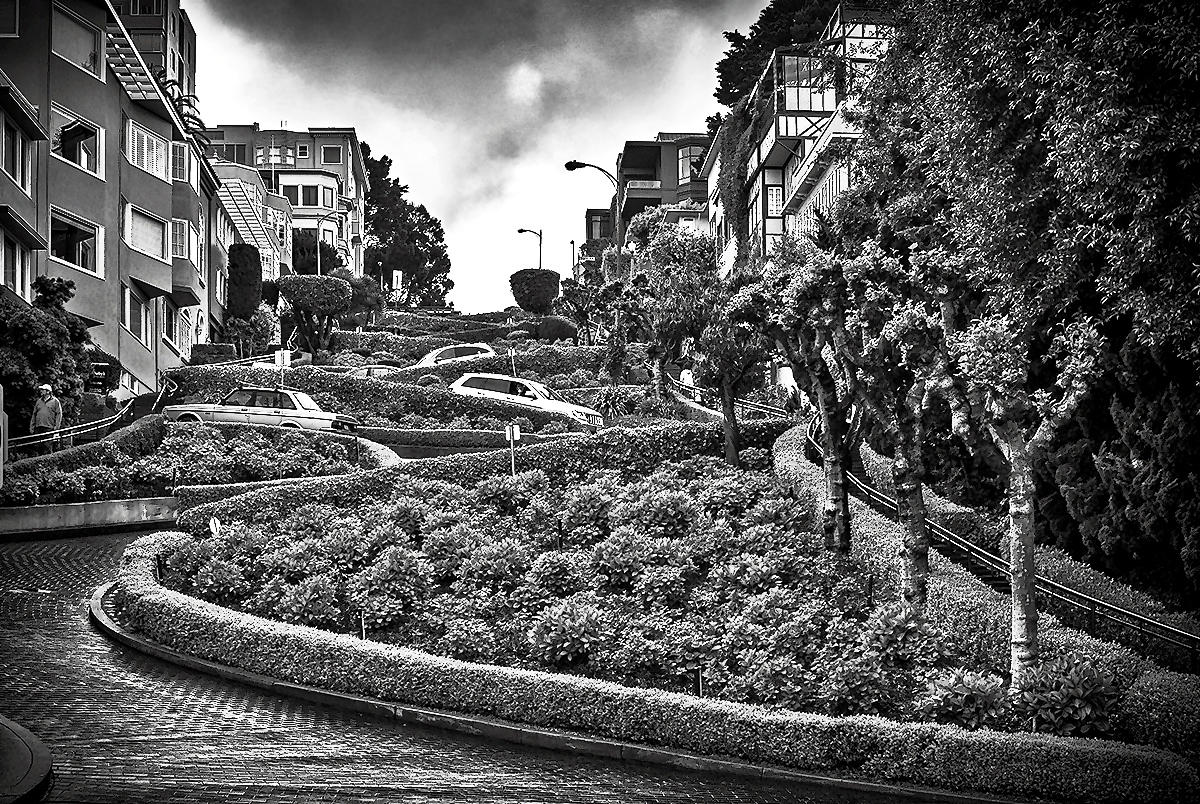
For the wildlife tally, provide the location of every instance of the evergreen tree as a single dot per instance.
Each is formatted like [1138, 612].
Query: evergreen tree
[782, 22]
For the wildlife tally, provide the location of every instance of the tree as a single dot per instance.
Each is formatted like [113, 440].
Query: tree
[42, 343]
[316, 302]
[782, 22]
[579, 301]
[245, 281]
[304, 254]
[535, 289]
[365, 298]
[185, 105]
[729, 358]
[253, 335]
[403, 236]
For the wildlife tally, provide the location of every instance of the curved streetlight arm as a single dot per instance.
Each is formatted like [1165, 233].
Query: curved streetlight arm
[537, 232]
[575, 164]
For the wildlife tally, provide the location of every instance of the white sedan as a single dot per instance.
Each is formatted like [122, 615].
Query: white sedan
[523, 392]
[454, 354]
[282, 407]
[372, 371]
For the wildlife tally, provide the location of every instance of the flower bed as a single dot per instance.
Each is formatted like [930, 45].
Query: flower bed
[152, 456]
[635, 453]
[373, 402]
[1161, 708]
[861, 746]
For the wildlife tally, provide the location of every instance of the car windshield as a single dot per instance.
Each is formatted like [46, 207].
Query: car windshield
[305, 402]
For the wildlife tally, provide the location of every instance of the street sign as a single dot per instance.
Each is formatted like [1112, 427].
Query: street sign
[397, 279]
[512, 432]
[283, 358]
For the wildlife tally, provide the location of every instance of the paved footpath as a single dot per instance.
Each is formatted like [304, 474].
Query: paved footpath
[124, 727]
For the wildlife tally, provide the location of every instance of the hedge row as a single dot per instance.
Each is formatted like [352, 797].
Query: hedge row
[426, 323]
[400, 348]
[134, 441]
[1027, 765]
[980, 618]
[541, 359]
[447, 438]
[635, 452]
[1058, 566]
[356, 396]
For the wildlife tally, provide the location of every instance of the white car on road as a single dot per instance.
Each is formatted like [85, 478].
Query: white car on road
[523, 392]
[454, 354]
[251, 405]
[372, 371]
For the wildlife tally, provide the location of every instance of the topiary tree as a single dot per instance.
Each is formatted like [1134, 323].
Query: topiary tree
[316, 303]
[535, 289]
[245, 281]
[556, 328]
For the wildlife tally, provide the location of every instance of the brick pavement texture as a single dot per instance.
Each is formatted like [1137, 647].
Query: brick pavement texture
[124, 727]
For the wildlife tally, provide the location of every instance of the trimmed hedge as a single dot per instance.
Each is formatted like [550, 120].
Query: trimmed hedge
[447, 438]
[365, 398]
[535, 289]
[980, 618]
[923, 754]
[205, 353]
[402, 349]
[24, 479]
[426, 323]
[541, 360]
[564, 460]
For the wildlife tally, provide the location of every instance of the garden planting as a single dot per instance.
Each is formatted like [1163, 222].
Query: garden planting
[153, 456]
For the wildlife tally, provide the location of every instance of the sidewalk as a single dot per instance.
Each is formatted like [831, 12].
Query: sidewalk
[24, 764]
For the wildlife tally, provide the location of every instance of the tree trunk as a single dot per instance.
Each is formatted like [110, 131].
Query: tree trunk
[908, 473]
[836, 517]
[658, 373]
[729, 415]
[1020, 552]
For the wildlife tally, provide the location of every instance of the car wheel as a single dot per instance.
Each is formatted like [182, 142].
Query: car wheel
[293, 425]
[190, 418]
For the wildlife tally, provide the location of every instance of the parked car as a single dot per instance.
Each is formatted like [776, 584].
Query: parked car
[523, 392]
[373, 370]
[251, 405]
[454, 354]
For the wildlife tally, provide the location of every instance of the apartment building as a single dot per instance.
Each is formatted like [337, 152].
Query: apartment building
[319, 171]
[101, 184]
[662, 171]
[258, 216]
[794, 170]
[162, 32]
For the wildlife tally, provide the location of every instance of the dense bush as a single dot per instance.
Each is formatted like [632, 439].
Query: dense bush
[205, 353]
[245, 280]
[316, 302]
[534, 289]
[373, 402]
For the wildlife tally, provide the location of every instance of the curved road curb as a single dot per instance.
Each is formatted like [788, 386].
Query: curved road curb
[25, 766]
[511, 732]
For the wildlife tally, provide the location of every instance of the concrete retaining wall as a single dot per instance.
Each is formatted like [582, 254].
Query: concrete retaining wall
[37, 519]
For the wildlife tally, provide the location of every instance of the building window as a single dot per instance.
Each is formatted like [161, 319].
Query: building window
[331, 155]
[231, 152]
[179, 238]
[17, 155]
[77, 42]
[146, 233]
[309, 195]
[16, 267]
[8, 17]
[222, 286]
[302, 150]
[147, 150]
[327, 196]
[774, 201]
[202, 246]
[292, 194]
[135, 314]
[146, 7]
[179, 161]
[76, 140]
[75, 241]
[147, 42]
[689, 156]
[170, 322]
[193, 243]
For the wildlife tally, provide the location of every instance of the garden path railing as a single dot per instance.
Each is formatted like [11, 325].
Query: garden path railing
[989, 565]
[66, 436]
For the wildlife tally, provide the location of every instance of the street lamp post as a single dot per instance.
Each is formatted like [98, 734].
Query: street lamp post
[537, 232]
[322, 219]
[576, 165]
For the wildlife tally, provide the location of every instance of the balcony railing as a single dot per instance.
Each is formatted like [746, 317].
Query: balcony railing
[640, 184]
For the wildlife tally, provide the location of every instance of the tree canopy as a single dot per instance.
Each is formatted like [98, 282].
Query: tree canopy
[782, 22]
[403, 236]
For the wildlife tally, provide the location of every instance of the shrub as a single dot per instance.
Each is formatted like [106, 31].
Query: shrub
[316, 303]
[427, 380]
[1065, 696]
[567, 632]
[245, 281]
[203, 353]
[561, 573]
[556, 328]
[965, 698]
[535, 289]
[498, 565]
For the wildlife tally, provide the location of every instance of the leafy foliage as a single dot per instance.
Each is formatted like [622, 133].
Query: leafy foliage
[304, 254]
[535, 289]
[316, 303]
[245, 280]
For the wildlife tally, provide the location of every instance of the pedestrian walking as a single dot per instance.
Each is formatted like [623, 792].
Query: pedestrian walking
[687, 378]
[47, 414]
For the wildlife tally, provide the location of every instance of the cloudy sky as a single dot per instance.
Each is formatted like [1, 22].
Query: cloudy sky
[478, 102]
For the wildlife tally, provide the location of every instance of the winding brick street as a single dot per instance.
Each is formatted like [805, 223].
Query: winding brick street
[124, 727]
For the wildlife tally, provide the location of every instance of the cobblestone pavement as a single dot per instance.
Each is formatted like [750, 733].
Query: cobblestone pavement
[124, 727]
